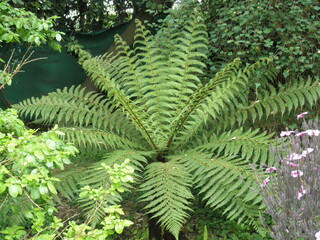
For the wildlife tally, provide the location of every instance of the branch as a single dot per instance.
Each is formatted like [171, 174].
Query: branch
[25, 60]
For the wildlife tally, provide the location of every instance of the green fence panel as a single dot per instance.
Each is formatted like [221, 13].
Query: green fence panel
[57, 71]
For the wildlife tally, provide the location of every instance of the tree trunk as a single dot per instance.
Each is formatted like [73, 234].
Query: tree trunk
[155, 231]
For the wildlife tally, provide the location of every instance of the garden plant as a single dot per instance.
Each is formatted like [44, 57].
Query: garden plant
[27, 187]
[184, 133]
[291, 192]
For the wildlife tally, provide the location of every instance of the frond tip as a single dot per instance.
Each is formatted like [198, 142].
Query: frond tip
[167, 190]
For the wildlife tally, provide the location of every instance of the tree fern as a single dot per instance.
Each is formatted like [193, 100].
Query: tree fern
[181, 131]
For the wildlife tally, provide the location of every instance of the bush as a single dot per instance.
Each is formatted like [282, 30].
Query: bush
[292, 191]
[27, 186]
[253, 29]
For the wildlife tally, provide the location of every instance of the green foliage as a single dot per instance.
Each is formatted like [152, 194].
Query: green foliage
[167, 192]
[82, 16]
[177, 120]
[18, 25]
[27, 186]
[254, 29]
[26, 161]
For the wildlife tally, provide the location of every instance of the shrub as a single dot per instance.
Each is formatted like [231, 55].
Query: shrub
[253, 29]
[27, 186]
[292, 191]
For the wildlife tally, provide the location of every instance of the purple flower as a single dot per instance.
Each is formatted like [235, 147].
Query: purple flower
[301, 115]
[296, 173]
[317, 235]
[286, 133]
[271, 169]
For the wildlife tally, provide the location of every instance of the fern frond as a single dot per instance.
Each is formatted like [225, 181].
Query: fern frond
[16, 209]
[95, 68]
[158, 90]
[184, 65]
[68, 185]
[91, 138]
[250, 145]
[224, 181]
[225, 98]
[167, 192]
[270, 102]
[201, 98]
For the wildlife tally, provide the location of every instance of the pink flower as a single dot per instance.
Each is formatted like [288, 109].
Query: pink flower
[264, 183]
[317, 235]
[286, 133]
[291, 164]
[295, 156]
[313, 132]
[301, 115]
[271, 169]
[301, 134]
[306, 152]
[310, 150]
[296, 173]
[301, 192]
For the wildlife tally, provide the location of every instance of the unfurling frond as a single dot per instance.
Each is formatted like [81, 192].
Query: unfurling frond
[166, 189]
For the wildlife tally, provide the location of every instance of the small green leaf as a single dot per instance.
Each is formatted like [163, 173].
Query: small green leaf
[119, 227]
[52, 188]
[58, 37]
[30, 158]
[43, 190]
[3, 187]
[39, 154]
[34, 194]
[13, 191]
[51, 144]
[28, 215]
[45, 26]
